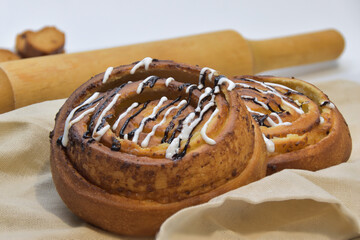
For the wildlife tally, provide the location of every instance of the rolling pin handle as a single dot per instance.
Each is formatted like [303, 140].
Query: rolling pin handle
[7, 102]
[296, 50]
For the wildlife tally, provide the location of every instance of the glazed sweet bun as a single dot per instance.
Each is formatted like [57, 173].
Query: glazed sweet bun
[139, 142]
[303, 128]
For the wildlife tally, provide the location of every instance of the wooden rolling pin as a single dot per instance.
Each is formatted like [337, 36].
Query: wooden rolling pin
[27, 81]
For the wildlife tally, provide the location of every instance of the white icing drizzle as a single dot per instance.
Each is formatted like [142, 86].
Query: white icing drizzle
[134, 105]
[145, 142]
[173, 148]
[322, 120]
[298, 110]
[297, 102]
[145, 62]
[328, 103]
[280, 122]
[189, 87]
[191, 121]
[210, 75]
[65, 138]
[203, 129]
[168, 80]
[187, 130]
[256, 101]
[140, 87]
[231, 84]
[188, 126]
[252, 111]
[278, 85]
[261, 83]
[271, 122]
[274, 91]
[97, 135]
[244, 85]
[68, 124]
[270, 146]
[206, 93]
[142, 124]
[107, 74]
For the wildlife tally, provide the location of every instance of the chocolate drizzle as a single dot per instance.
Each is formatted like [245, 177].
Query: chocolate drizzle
[150, 82]
[88, 105]
[100, 109]
[280, 108]
[167, 130]
[180, 155]
[116, 146]
[58, 141]
[184, 127]
[132, 132]
[272, 92]
[181, 87]
[270, 108]
[103, 121]
[217, 79]
[253, 100]
[205, 98]
[324, 103]
[172, 124]
[202, 78]
[260, 119]
[178, 129]
[130, 118]
[252, 88]
[165, 107]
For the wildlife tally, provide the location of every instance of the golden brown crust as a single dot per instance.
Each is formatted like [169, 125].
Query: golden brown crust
[21, 43]
[317, 139]
[128, 216]
[6, 55]
[46, 41]
[132, 191]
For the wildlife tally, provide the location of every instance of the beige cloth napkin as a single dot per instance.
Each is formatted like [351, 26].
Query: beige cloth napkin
[292, 204]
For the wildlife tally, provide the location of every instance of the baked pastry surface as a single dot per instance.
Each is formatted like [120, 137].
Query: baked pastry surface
[306, 129]
[6, 55]
[46, 41]
[139, 142]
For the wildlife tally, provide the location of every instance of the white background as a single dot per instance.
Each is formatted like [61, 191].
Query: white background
[108, 23]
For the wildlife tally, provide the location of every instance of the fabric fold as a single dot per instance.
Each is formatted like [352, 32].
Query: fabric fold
[286, 205]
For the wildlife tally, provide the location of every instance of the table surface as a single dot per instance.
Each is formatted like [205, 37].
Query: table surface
[90, 24]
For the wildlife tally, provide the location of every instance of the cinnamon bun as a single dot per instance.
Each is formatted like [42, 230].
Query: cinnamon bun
[139, 142]
[303, 128]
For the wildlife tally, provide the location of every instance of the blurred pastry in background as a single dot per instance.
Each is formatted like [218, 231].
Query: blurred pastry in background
[7, 55]
[47, 41]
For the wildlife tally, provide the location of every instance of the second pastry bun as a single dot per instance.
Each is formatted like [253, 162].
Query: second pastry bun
[306, 129]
